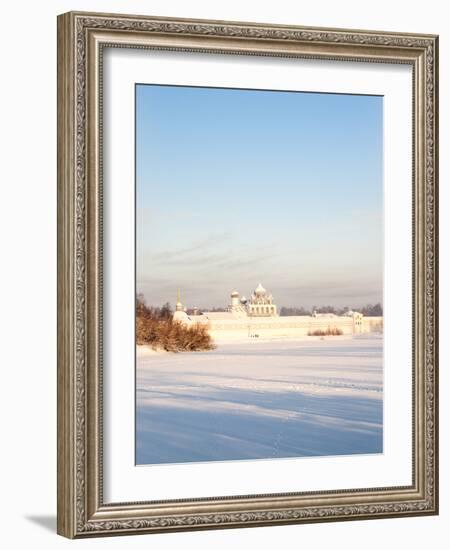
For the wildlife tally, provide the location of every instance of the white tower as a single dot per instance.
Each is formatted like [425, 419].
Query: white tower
[234, 299]
[236, 307]
[179, 306]
[180, 315]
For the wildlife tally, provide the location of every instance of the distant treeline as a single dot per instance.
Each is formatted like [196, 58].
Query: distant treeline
[165, 311]
[156, 327]
[368, 311]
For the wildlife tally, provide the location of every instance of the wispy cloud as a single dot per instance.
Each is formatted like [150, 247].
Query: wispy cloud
[181, 253]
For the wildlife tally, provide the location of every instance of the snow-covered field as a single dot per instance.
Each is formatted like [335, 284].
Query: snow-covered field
[261, 400]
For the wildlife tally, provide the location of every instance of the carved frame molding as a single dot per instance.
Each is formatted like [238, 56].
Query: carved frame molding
[81, 39]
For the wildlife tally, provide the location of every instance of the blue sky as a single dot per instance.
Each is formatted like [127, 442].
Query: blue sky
[236, 187]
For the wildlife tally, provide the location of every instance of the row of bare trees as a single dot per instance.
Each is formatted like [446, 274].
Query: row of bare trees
[155, 327]
[329, 331]
[369, 310]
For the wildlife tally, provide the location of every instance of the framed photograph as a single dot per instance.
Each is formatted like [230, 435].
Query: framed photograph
[247, 276]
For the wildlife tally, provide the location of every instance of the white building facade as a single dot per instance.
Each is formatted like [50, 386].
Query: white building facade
[257, 317]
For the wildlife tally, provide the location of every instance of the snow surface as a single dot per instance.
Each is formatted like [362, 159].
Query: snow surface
[260, 399]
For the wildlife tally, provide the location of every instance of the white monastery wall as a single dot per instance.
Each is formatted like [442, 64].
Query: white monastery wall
[289, 327]
[257, 318]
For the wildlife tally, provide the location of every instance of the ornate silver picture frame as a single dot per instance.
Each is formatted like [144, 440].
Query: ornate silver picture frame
[83, 39]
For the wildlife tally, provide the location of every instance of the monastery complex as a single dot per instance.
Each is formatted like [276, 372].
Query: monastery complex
[257, 317]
